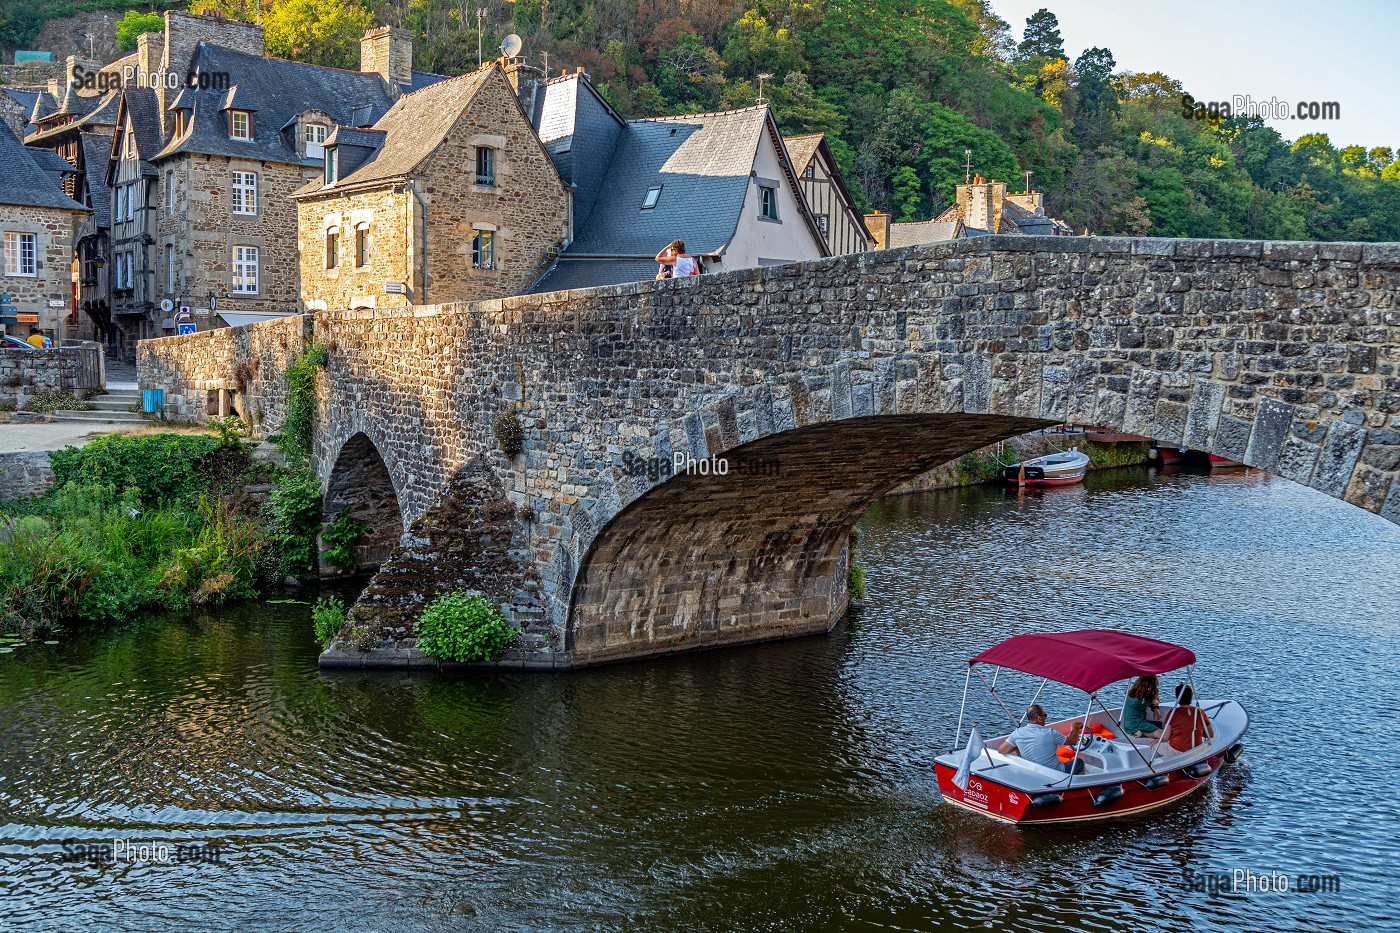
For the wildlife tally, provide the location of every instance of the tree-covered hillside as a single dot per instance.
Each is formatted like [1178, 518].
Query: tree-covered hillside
[904, 88]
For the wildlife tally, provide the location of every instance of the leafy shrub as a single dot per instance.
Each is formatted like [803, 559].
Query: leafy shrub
[327, 617]
[510, 434]
[340, 538]
[231, 430]
[166, 469]
[293, 513]
[47, 402]
[462, 627]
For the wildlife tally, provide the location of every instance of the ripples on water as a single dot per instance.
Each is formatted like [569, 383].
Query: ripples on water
[779, 787]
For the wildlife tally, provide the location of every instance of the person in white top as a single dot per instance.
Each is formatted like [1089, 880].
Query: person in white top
[675, 262]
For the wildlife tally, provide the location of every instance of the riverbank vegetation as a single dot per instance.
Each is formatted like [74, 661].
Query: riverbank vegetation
[159, 521]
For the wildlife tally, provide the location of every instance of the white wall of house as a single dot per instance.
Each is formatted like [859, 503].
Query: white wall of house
[760, 242]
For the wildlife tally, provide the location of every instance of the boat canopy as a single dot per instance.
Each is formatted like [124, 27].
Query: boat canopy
[1089, 659]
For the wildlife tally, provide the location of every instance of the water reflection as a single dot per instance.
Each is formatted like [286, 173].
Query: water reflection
[785, 786]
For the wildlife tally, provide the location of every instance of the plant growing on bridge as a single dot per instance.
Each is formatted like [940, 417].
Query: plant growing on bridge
[327, 617]
[463, 627]
[510, 433]
[295, 437]
[340, 538]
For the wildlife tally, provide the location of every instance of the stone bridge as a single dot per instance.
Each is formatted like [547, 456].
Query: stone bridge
[821, 386]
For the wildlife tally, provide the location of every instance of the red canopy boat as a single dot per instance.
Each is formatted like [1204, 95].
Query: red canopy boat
[1120, 773]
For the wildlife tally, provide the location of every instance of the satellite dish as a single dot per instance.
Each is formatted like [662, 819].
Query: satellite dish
[511, 45]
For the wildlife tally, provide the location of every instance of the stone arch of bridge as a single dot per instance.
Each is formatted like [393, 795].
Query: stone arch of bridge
[651, 562]
[359, 482]
[759, 552]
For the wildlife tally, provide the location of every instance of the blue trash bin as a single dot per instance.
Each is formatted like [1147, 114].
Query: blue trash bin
[153, 401]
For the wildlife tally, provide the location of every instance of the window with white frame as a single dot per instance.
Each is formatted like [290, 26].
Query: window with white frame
[21, 254]
[245, 193]
[170, 268]
[169, 193]
[315, 136]
[240, 124]
[484, 249]
[131, 200]
[245, 270]
[129, 145]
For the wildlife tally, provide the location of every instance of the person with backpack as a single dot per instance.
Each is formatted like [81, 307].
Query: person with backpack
[676, 263]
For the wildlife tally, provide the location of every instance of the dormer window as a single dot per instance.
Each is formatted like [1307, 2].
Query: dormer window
[314, 137]
[653, 195]
[485, 166]
[331, 161]
[129, 145]
[240, 124]
[182, 122]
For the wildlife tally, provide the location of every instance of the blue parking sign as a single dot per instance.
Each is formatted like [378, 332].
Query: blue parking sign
[185, 327]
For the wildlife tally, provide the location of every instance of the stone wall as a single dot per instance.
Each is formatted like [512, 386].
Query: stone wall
[827, 384]
[240, 370]
[389, 212]
[53, 231]
[25, 373]
[23, 474]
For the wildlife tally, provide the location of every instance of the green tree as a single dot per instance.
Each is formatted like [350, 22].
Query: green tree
[1041, 42]
[324, 32]
[134, 24]
[907, 198]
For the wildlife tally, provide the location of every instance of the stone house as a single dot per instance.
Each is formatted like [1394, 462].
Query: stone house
[722, 182]
[37, 224]
[76, 122]
[448, 197]
[824, 187]
[212, 138]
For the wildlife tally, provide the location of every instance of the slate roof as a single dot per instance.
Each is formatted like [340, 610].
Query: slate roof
[587, 273]
[97, 149]
[144, 111]
[103, 114]
[928, 231]
[23, 182]
[416, 125]
[580, 131]
[278, 90]
[26, 98]
[702, 163]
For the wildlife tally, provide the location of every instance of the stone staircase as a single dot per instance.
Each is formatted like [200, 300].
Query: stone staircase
[118, 406]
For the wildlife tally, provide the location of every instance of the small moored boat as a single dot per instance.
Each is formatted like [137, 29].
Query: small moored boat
[1121, 774]
[1061, 469]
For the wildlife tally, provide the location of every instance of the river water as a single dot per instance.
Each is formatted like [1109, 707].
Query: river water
[781, 787]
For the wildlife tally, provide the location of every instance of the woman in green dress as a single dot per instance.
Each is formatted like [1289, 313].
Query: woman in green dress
[1141, 717]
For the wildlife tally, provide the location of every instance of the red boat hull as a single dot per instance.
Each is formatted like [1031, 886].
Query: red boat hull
[989, 798]
[1056, 481]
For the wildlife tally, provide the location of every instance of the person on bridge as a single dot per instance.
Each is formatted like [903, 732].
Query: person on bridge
[1037, 742]
[675, 263]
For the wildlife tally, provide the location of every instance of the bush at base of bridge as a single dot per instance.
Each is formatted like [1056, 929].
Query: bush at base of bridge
[462, 627]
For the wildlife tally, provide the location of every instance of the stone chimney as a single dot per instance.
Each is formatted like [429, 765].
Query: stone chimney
[1033, 201]
[150, 54]
[388, 52]
[879, 226]
[185, 31]
[71, 66]
[981, 203]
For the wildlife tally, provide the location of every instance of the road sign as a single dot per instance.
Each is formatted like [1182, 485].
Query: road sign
[184, 314]
[185, 328]
[167, 305]
[393, 288]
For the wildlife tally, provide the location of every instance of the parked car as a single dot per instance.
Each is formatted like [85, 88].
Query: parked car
[14, 343]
